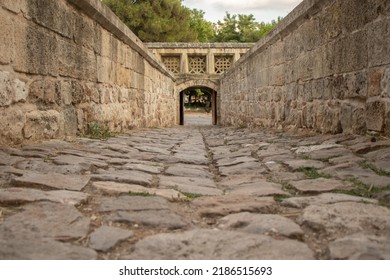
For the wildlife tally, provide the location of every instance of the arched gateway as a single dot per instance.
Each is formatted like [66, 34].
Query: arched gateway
[198, 66]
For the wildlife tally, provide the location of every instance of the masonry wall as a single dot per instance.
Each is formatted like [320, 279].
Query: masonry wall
[67, 63]
[326, 67]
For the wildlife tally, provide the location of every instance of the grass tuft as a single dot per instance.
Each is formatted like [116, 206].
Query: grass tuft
[98, 131]
[312, 173]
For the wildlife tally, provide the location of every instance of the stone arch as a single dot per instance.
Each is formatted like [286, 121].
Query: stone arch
[211, 86]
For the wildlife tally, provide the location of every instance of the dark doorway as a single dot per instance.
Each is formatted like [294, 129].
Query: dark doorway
[199, 101]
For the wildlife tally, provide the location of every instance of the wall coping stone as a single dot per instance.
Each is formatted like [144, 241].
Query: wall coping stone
[161, 45]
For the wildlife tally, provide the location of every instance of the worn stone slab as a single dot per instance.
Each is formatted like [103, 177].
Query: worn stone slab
[85, 162]
[52, 181]
[360, 247]
[151, 218]
[320, 185]
[302, 163]
[16, 196]
[191, 158]
[236, 180]
[314, 148]
[329, 153]
[105, 238]
[150, 168]
[268, 224]
[28, 248]
[124, 176]
[203, 186]
[346, 159]
[8, 160]
[41, 166]
[234, 161]
[214, 244]
[324, 198]
[243, 168]
[188, 170]
[258, 188]
[214, 206]
[366, 176]
[344, 218]
[47, 219]
[132, 203]
[121, 188]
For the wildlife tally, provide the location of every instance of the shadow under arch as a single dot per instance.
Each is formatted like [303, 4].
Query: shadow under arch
[207, 86]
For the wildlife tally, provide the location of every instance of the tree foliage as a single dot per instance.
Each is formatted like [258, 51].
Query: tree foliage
[170, 21]
[242, 28]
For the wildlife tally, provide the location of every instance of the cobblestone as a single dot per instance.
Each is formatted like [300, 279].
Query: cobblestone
[197, 193]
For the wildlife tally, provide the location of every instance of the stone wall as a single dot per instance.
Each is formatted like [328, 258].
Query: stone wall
[67, 63]
[326, 67]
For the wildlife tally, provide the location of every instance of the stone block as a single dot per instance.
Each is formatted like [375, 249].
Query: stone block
[350, 52]
[374, 81]
[16, 6]
[54, 15]
[43, 91]
[11, 125]
[85, 32]
[352, 118]
[70, 120]
[7, 38]
[36, 49]
[375, 115]
[76, 62]
[42, 125]
[385, 84]
[11, 90]
[379, 42]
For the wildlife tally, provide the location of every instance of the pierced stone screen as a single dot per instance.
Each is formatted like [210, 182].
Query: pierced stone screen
[222, 63]
[172, 63]
[197, 64]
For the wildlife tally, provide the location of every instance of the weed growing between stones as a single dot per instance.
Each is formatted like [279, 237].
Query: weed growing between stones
[312, 173]
[192, 195]
[281, 197]
[140, 194]
[378, 171]
[363, 190]
[98, 131]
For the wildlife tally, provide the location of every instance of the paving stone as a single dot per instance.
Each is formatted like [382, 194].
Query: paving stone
[132, 203]
[203, 186]
[287, 176]
[360, 247]
[313, 148]
[86, 163]
[272, 150]
[124, 176]
[236, 180]
[105, 238]
[323, 199]
[219, 154]
[328, 153]
[234, 161]
[213, 244]
[121, 188]
[150, 168]
[14, 196]
[320, 185]
[364, 147]
[366, 176]
[47, 219]
[258, 188]
[52, 180]
[214, 206]
[27, 248]
[41, 166]
[191, 158]
[243, 168]
[151, 218]
[268, 224]
[302, 163]
[188, 170]
[346, 159]
[344, 218]
[8, 160]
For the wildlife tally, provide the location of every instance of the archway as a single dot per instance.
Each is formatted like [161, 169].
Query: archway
[208, 87]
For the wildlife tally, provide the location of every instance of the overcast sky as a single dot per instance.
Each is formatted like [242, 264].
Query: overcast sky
[263, 10]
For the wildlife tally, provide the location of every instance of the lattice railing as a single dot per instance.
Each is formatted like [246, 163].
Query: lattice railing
[197, 64]
[172, 63]
[222, 63]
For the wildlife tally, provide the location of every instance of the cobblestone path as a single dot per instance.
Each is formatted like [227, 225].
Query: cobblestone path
[197, 193]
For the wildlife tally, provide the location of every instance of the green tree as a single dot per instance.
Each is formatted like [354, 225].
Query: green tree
[203, 28]
[155, 20]
[226, 30]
